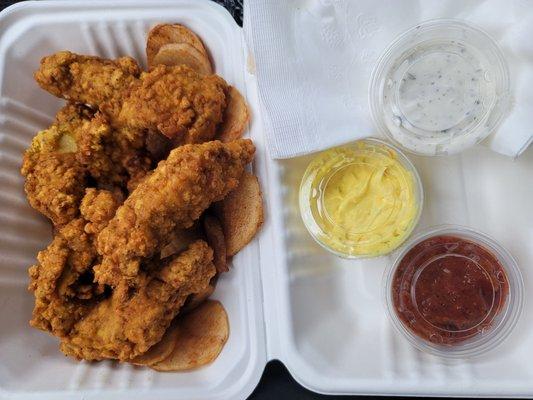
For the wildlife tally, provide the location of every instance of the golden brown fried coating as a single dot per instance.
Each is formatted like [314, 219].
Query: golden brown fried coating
[56, 310]
[173, 196]
[55, 180]
[88, 80]
[71, 117]
[92, 325]
[103, 286]
[54, 185]
[98, 207]
[112, 157]
[176, 100]
[62, 281]
[78, 147]
[133, 319]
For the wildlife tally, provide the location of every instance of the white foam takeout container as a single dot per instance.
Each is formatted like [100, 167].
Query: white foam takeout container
[286, 297]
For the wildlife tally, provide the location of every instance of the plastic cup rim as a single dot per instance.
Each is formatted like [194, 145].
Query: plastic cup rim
[374, 91]
[419, 193]
[512, 311]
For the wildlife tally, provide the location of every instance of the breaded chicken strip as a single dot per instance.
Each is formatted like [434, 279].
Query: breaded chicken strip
[177, 101]
[79, 147]
[88, 80]
[98, 207]
[54, 185]
[55, 180]
[95, 322]
[57, 307]
[173, 196]
[112, 157]
[62, 281]
[132, 320]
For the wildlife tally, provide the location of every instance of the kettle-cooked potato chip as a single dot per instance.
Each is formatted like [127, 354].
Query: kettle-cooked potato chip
[241, 213]
[163, 34]
[202, 334]
[183, 54]
[215, 238]
[236, 117]
[160, 350]
[198, 298]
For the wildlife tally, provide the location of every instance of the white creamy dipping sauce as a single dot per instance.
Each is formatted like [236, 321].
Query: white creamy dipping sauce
[440, 88]
[437, 92]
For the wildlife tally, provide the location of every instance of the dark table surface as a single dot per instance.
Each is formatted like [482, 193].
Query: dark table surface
[276, 382]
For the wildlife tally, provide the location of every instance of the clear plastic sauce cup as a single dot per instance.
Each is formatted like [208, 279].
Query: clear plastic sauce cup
[362, 199]
[440, 88]
[454, 292]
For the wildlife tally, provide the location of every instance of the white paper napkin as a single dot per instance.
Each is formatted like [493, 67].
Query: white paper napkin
[313, 60]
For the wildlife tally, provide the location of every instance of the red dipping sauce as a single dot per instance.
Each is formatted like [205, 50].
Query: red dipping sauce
[447, 289]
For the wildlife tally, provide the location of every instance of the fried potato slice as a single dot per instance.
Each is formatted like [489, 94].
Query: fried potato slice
[161, 350]
[183, 54]
[163, 34]
[198, 298]
[236, 117]
[215, 238]
[201, 336]
[241, 213]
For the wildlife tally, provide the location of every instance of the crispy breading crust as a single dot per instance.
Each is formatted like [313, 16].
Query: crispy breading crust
[55, 180]
[175, 100]
[103, 285]
[54, 185]
[62, 279]
[132, 320]
[81, 146]
[87, 79]
[178, 102]
[173, 196]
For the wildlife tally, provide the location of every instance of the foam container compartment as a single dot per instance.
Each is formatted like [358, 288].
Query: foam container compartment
[286, 297]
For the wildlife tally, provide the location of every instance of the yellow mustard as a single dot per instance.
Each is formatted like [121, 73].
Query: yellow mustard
[360, 199]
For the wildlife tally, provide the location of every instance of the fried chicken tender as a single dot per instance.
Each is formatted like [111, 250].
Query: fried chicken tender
[92, 322]
[131, 321]
[55, 180]
[98, 207]
[55, 311]
[112, 157]
[177, 101]
[62, 281]
[126, 255]
[173, 196]
[87, 79]
[54, 185]
[81, 146]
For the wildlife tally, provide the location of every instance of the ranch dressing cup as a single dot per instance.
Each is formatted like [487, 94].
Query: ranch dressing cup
[440, 88]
